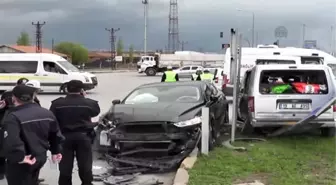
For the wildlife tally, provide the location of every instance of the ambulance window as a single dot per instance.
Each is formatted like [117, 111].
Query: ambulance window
[18, 66]
[52, 67]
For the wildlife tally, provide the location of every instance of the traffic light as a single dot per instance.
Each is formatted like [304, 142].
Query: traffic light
[221, 34]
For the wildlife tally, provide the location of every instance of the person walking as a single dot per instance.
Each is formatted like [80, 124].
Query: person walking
[195, 75]
[29, 131]
[74, 113]
[170, 75]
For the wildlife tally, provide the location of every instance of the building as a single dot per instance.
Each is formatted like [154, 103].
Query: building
[26, 49]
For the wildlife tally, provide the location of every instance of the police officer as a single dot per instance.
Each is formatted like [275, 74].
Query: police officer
[169, 75]
[30, 131]
[194, 76]
[206, 76]
[5, 105]
[74, 113]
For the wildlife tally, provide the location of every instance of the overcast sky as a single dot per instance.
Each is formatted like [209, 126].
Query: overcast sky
[200, 21]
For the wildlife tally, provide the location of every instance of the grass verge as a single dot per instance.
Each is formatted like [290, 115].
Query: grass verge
[300, 160]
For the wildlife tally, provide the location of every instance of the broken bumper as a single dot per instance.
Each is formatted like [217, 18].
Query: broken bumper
[147, 148]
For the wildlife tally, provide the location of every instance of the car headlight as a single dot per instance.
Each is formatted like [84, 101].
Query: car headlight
[190, 122]
[87, 79]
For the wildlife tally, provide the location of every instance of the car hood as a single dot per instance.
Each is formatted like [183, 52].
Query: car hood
[169, 112]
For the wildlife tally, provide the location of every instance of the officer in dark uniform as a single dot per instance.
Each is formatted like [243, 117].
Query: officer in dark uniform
[74, 113]
[29, 131]
[6, 100]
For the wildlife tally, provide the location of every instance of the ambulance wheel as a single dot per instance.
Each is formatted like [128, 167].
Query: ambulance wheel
[64, 89]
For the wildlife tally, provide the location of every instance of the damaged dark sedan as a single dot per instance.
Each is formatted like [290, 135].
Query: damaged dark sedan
[157, 125]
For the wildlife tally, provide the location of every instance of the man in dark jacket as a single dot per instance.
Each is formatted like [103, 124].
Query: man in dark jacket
[74, 114]
[29, 131]
[6, 102]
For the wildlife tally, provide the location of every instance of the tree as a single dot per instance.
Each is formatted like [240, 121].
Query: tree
[120, 47]
[23, 39]
[131, 53]
[78, 53]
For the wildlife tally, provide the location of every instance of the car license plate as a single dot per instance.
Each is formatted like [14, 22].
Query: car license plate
[304, 106]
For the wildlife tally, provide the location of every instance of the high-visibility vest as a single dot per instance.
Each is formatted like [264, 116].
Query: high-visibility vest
[194, 76]
[207, 77]
[170, 76]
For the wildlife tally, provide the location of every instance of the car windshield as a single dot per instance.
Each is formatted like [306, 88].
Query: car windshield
[164, 94]
[293, 82]
[68, 66]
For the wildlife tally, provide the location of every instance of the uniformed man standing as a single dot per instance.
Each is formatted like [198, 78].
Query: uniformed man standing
[6, 104]
[169, 75]
[74, 114]
[30, 131]
[194, 76]
[206, 76]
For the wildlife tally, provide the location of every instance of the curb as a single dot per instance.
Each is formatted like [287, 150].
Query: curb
[182, 175]
[116, 71]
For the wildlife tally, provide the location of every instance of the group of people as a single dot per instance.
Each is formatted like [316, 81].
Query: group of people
[29, 131]
[171, 76]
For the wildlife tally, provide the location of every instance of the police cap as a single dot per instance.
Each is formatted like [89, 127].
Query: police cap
[22, 81]
[75, 86]
[24, 93]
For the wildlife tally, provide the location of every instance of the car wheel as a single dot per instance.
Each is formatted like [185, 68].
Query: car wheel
[328, 131]
[64, 89]
[150, 72]
[247, 129]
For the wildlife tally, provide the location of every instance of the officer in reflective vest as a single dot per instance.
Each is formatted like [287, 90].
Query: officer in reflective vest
[195, 75]
[169, 75]
[206, 76]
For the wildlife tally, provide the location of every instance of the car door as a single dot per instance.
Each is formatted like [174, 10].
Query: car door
[53, 75]
[193, 70]
[243, 96]
[184, 72]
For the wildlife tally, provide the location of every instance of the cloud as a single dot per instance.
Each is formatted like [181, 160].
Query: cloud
[200, 22]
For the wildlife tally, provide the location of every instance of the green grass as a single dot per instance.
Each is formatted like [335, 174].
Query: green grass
[284, 161]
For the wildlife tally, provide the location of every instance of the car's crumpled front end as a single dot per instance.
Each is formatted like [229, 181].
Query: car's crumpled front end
[146, 146]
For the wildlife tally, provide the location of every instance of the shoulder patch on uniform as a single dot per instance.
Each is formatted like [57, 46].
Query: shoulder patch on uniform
[5, 134]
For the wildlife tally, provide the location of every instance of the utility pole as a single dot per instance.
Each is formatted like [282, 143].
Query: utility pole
[183, 44]
[52, 46]
[112, 41]
[145, 3]
[38, 26]
[332, 40]
[173, 30]
[303, 34]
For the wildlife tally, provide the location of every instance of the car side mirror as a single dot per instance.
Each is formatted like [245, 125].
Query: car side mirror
[115, 102]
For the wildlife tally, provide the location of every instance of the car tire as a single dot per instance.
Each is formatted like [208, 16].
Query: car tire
[150, 72]
[247, 129]
[64, 89]
[328, 131]
[212, 140]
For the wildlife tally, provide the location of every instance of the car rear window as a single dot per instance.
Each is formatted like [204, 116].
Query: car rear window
[293, 82]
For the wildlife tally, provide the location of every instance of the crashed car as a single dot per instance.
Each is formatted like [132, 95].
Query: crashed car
[157, 125]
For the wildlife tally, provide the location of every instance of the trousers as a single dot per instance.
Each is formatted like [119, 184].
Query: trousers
[76, 145]
[24, 174]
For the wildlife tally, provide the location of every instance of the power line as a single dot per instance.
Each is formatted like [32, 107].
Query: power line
[112, 41]
[38, 34]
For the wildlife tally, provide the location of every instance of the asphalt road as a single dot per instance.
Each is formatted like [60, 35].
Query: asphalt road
[111, 86]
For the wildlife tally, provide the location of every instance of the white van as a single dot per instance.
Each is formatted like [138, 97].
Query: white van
[51, 70]
[249, 61]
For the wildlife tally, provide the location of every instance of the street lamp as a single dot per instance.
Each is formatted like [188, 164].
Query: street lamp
[240, 10]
